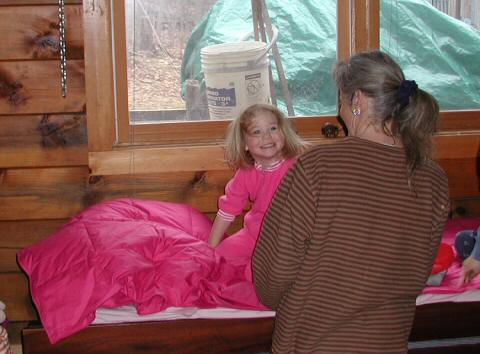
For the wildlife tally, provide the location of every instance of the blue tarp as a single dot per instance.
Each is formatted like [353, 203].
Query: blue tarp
[441, 53]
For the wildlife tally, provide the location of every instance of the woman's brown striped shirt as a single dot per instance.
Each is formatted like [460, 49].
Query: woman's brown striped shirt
[347, 246]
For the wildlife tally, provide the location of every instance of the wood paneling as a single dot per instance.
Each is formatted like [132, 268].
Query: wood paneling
[461, 145]
[460, 121]
[8, 261]
[36, 2]
[43, 193]
[15, 294]
[208, 132]
[35, 32]
[43, 140]
[358, 26]
[41, 157]
[99, 74]
[154, 160]
[33, 87]
[53, 193]
[458, 156]
[19, 234]
[199, 189]
[43, 130]
[463, 179]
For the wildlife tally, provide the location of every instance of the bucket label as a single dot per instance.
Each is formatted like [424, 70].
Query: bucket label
[221, 97]
[253, 85]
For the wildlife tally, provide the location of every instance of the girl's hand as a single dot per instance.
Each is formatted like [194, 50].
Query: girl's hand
[470, 268]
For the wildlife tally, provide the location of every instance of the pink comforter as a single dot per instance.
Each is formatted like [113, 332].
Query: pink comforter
[150, 254]
[147, 253]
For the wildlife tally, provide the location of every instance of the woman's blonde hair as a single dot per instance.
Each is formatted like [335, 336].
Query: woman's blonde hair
[236, 154]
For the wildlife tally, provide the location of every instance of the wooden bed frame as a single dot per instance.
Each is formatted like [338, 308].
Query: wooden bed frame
[440, 323]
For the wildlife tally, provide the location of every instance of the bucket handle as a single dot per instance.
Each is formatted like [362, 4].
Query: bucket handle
[273, 40]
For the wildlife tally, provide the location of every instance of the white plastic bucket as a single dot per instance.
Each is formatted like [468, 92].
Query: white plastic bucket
[236, 76]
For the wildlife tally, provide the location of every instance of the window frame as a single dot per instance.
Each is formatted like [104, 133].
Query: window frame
[116, 147]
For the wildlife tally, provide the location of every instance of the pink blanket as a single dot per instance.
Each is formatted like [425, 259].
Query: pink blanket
[151, 254]
[451, 282]
[147, 253]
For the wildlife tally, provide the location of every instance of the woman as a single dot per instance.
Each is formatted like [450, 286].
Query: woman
[349, 240]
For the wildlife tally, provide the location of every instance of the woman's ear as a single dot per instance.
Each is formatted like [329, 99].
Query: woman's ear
[361, 100]
[357, 98]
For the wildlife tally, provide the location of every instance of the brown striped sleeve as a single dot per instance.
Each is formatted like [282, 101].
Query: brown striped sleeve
[440, 212]
[283, 238]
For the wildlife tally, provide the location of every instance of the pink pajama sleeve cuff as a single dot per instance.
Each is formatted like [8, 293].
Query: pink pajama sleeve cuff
[225, 216]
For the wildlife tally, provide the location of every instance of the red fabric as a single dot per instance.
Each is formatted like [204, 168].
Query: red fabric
[451, 282]
[147, 253]
[444, 258]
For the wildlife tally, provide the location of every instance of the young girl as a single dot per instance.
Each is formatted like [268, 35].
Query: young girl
[262, 146]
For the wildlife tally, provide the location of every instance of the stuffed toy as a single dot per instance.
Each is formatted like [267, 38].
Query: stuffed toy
[465, 242]
[4, 344]
[3, 316]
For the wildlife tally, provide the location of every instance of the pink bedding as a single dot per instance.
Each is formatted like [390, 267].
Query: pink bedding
[149, 254]
[146, 253]
[450, 283]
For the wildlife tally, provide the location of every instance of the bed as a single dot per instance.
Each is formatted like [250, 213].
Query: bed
[444, 327]
[447, 319]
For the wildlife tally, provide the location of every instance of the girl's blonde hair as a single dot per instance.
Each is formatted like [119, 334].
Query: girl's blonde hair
[236, 154]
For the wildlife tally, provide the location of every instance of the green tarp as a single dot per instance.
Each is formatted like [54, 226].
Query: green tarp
[441, 53]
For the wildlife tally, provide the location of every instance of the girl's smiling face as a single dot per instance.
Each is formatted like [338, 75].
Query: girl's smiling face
[264, 139]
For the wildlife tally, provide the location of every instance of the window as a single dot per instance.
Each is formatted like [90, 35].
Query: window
[156, 37]
[167, 75]
[115, 145]
[437, 50]
[467, 11]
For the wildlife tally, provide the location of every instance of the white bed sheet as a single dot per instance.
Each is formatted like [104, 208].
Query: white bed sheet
[129, 314]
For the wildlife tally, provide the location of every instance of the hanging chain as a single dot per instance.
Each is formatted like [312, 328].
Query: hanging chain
[63, 47]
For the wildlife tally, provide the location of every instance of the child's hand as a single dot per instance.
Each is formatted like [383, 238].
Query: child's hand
[470, 268]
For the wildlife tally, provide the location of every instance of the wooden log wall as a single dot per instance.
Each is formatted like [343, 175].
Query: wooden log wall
[44, 173]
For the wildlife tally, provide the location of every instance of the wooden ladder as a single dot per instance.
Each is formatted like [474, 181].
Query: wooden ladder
[262, 26]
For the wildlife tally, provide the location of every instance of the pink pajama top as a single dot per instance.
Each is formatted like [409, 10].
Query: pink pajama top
[254, 185]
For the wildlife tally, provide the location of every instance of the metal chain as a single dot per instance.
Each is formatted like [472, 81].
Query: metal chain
[63, 47]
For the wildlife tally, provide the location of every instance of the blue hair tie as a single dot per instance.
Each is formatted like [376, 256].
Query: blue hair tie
[404, 92]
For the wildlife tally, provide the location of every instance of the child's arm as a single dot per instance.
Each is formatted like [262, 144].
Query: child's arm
[471, 266]
[220, 226]
[230, 205]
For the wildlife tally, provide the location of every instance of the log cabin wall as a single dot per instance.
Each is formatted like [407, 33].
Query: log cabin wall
[44, 172]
